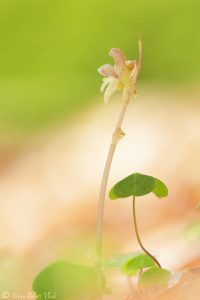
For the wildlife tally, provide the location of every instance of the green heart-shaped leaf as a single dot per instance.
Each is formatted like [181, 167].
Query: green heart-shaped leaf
[62, 280]
[155, 277]
[160, 189]
[140, 261]
[138, 185]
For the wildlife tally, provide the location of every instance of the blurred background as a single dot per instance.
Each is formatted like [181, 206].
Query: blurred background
[55, 131]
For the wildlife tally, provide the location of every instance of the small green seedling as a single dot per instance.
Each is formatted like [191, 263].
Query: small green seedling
[149, 273]
[62, 280]
[155, 277]
[137, 185]
[137, 263]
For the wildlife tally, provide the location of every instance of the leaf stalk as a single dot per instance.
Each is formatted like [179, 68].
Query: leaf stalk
[138, 236]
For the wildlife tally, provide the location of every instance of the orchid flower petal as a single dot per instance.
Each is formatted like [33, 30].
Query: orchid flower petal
[111, 88]
[107, 70]
[106, 81]
[118, 57]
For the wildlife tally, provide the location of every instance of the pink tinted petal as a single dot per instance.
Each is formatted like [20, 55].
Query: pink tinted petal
[107, 70]
[118, 57]
[111, 88]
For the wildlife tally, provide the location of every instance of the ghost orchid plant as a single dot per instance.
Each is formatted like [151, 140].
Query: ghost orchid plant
[122, 76]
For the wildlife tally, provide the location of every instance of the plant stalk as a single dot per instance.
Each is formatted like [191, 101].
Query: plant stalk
[138, 236]
[102, 194]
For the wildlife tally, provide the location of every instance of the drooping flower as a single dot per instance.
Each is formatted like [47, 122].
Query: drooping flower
[121, 76]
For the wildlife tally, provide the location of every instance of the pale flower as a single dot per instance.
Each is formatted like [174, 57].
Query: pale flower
[121, 76]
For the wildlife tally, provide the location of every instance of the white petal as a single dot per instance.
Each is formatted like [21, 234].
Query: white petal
[106, 81]
[111, 88]
[107, 70]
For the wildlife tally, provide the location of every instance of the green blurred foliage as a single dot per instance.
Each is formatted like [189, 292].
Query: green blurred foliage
[192, 231]
[50, 50]
[62, 280]
[155, 277]
[137, 263]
